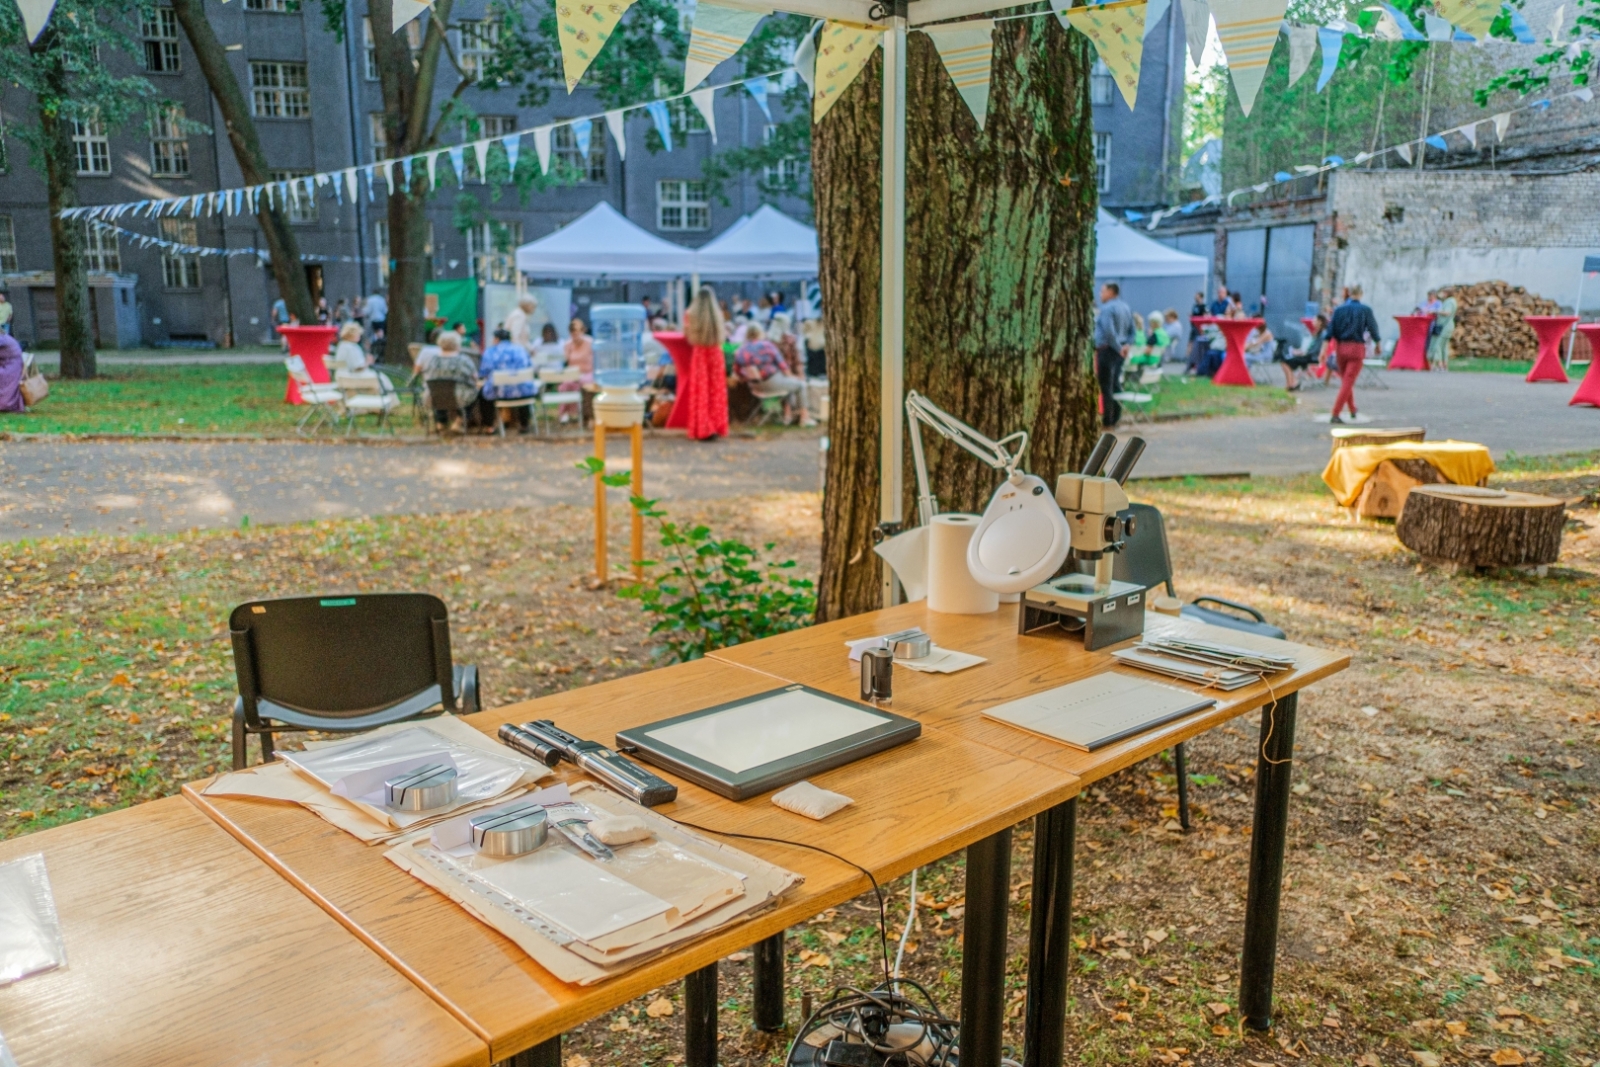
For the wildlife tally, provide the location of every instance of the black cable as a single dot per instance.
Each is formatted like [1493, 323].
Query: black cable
[883, 920]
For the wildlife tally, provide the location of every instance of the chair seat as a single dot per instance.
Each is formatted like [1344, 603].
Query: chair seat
[517, 402]
[559, 398]
[1133, 398]
[371, 403]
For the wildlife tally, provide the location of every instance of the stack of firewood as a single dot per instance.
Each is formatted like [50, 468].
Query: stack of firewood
[1489, 320]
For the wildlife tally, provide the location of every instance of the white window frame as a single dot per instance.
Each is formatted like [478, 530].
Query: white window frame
[275, 93]
[476, 40]
[169, 141]
[159, 28]
[494, 260]
[1102, 86]
[682, 206]
[369, 50]
[8, 244]
[301, 209]
[91, 149]
[180, 271]
[686, 118]
[564, 149]
[1102, 161]
[279, 7]
[489, 127]
[785, 170]
[379, 134]
[101, 252]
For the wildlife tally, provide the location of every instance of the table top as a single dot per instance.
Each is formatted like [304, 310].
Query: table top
[913, 804]
[182, 948]
[1017, 666]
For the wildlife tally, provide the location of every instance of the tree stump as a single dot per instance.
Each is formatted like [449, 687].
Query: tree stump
[1384, 495]
[1351, 436]
[1474, 527]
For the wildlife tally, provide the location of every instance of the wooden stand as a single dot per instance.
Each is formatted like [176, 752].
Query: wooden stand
[1385, 493]
[636, 439]
[1453, 524]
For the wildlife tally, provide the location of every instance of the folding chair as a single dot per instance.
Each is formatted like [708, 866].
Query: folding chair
[324, 399]
[1146, 561]
[769, 402]
[442, 398]
[342, 664]
[1134, 404]
[502, 379]
[367, 393]
[558, 389]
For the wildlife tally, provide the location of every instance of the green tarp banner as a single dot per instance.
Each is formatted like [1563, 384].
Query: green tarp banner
[458, 302]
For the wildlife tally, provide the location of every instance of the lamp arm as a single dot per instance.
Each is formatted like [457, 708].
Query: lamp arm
[920, 411]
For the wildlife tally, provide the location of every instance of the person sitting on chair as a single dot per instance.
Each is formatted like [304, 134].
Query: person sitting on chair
[453, 365]
[505, 354]
[1300, 359]
[758, 362]
[348, 353]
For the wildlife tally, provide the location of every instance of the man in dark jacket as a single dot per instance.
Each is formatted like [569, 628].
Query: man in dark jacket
[1351, 330]
[1113, 333]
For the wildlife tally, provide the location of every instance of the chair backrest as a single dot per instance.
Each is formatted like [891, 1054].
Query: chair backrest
[1145, 561]
[442, 395]
[364, 381]
[297, 370]
[342, 656]
[501, 378]
[561, 376]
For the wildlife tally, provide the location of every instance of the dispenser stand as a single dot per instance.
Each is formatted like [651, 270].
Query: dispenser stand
[635, 434]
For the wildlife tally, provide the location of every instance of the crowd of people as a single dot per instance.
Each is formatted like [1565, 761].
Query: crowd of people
[370, 313]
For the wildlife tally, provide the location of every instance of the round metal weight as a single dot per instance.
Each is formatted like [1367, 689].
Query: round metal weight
[423, 789]
[510, 831]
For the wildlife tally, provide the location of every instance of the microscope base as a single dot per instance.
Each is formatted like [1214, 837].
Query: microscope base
[1101, 616]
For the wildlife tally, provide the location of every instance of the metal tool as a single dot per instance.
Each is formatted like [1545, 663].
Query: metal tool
[549, 745]
[569, 819]
[511, 831]
[909, 644]
[423, 789]
[877, 675]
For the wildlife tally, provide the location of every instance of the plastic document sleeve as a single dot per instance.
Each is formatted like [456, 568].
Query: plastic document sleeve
[1099, 710]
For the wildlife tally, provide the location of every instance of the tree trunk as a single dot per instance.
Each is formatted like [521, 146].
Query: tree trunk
[999, 271]
[234, 105]
[1457, 525]
[73, 309]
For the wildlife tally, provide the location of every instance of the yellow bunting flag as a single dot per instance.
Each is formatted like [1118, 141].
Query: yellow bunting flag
[716, 34]
[1117, 31]
[967, 49]
[1248, 30]
[584, 26]
[1474, 16]
[842, 51]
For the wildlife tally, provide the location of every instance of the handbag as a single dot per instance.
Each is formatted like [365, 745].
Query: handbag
[35, 387]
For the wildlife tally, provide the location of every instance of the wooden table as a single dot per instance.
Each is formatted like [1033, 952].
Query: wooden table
[914, 804]
[183, 949]
[1016, 667]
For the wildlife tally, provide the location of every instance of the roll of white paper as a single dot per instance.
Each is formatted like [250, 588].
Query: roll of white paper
[951, 588]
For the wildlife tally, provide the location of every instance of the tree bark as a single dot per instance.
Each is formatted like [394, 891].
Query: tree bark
[999, 272]
[234, 105]
[1515, 530]
[73, 310]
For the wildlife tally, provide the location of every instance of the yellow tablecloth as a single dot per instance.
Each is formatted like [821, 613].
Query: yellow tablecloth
[1463, 462]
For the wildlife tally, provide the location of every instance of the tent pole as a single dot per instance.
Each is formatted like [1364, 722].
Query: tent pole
[1577, 309]
[893, 297]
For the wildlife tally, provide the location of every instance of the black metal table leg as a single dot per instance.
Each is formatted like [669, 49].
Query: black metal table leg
[1274, 775]
[983, 953]
[768, 960]
[1050, 936]
[700, 1017]
[547, 1054]
[1180, 771]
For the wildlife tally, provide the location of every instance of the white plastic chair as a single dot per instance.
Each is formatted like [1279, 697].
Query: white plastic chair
[324, 400]
[368, 393]
[504, 379]
[1136, 405]
[558, 389]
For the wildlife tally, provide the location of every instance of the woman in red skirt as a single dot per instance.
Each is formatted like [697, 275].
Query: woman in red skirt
[705, 390]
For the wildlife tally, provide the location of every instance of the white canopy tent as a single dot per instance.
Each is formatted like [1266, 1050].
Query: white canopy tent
[1150, 274]
[766, 244]
[603, 244]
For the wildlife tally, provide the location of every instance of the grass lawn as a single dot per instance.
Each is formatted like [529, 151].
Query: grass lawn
[1442, 894]
[1493, 366]
[1192, 398]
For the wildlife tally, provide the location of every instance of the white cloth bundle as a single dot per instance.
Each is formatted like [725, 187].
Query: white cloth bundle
[803, 798]
[620, 829]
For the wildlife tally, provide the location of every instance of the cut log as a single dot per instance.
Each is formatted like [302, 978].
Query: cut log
[1385, 493]
[1476, 527]
[1350, 436]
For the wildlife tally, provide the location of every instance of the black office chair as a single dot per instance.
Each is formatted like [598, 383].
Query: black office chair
[1146, 561]
[341, 664]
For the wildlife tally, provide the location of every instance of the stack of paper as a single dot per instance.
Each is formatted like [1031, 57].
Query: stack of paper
[1096, 711]
[1204, 663]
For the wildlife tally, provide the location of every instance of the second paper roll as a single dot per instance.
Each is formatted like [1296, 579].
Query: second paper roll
[951, 587]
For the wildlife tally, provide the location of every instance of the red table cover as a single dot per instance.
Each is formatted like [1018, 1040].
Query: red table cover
[1411, 351]
[1552, 330]
[677, 346]
[1589, 389]
[310, 343]
[1235, 332]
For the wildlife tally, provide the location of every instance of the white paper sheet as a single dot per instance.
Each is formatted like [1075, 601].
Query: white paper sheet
[1098, 710]
[764, 731]
[566, 889]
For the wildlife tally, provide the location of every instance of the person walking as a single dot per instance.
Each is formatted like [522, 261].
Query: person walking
[704, 390]
[519, 322]
[378, 322]
[1113, 334]
[1352, 328]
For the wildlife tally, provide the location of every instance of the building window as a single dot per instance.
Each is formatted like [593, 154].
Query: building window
[682, 205]
[8, 244]
[484, 128]
[302, 202]
[279, 91]
[1102, 162]
[169, 142]
[90, 147]
[686, 118]
[1101, 84]
[5, 164]
[379, 134]
[160, 31]
[478, 41]
[567, 155]
[369, 49]
[785, 172]
[685, 14]
[380, 247]
[280, 6]
[180, 269]
[491, 250]
[100, 252]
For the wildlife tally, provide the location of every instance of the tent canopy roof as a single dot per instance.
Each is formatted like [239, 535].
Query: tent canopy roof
[1122, 253]
[602, 243]
[766, 244]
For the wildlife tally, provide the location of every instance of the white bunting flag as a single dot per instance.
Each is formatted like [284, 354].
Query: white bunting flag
[1362, 157]
[615, 122]
[1557, 21]
[350, 183]
[1405, 151]
[967, 50]
[1247, 30]
[406, 10]
[541, 145]
[1585, 94]
[480, 157]
[1302, 47]
[1153, 15]
[35, 15]
[805, 59]
[1470, 132]
[715, 35]
[1196, 26]
[704, 101]
[1502, 122]
[432, 159]
[1437, 29]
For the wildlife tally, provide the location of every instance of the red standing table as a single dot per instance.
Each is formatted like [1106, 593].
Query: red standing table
[1235, 332]
[1589, 389]
[310, 343]
[1551, 330]
[1411, 351]
[677, 346]
[1309, 324]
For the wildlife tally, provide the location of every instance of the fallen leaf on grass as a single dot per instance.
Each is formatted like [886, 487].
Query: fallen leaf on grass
[814, 959]
[659, 1008]
[1368, 710]
[1508, 1057]
[834, 938]
[1490, 978]
[1368, 1059]
[1330, 1022]
[739, 957]
[1221, 1031]
[1124, 1017]
[1456, 1028]
[1157, 935]
[1425, 1058]
[620, 1025]
[1219, 1009]
[577, 1061]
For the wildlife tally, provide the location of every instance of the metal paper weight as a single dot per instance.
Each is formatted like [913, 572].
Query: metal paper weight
[423, 789]
[510, 831]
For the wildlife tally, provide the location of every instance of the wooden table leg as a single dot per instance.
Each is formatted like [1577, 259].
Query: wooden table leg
[1050, 936]
[547, 1054]
[767, 958]
[983, 950]
[637, 489]
[700, 1017]
[1274, 775]
[601, 572]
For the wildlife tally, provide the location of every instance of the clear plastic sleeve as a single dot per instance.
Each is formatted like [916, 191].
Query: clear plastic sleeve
[30, 935]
